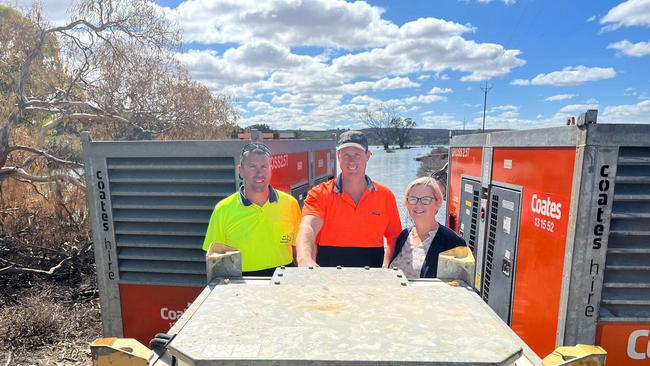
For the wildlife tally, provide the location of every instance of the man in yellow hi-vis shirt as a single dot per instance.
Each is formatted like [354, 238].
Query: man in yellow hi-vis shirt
[258, 220]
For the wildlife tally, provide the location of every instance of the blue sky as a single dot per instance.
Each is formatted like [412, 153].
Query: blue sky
[320, 63]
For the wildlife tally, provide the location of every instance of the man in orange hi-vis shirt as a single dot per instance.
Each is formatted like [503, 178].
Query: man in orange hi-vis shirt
[345, 220]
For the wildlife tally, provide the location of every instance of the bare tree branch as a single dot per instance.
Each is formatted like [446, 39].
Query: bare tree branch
[15, 268]
[380, 121]
[10, 353]
[44, 154]
[14, 172]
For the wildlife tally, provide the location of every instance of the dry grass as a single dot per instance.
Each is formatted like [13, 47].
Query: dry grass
[35, 322]
[45, 319]
[40, 331]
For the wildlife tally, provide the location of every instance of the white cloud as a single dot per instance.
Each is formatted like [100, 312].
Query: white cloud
[481, 60]
[324, 23]
[627, 113]
[397, 102]
[631, 49]
[627, 14]
[53, 9]
[469, 105]
[420, 99]
[438, 90]
[577, 108]
[591, 19]
[558, 97]
[570, 76]
[211, 69]
[265, 55]
[507, 2]
[430, 119]
[259, 106]
[381, 84]
[504, 111]
[367, 54]
[520, 82]
[394, 83]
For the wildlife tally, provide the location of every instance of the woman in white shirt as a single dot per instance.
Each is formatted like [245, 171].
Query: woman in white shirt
[417, 248]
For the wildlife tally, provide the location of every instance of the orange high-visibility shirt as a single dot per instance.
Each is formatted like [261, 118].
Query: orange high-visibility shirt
[346, 224]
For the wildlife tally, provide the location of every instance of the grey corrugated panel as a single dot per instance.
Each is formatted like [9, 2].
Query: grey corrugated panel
[626, 287]
[632, 224]
[169, 279]
[164, 203]
[628, 267]
[644, 250]
[171, 175]
[626, 302]
[162, 216]
[166, 190]
[627, 259]
[631, 215]
[633, 160]
[153, 162]
[157, 241]
[208, 167]
[627, 293]
[632, 179]
[636, 170]
[183, 255]
[631, 207]
[132, 265]
[160, 229]
[645, 232]
[171, 180]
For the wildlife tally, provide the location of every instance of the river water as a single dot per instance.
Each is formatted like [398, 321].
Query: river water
[396, 170]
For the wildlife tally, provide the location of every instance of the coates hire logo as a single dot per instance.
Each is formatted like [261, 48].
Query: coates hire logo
[638, 345]
[545, 206]
[170, 314]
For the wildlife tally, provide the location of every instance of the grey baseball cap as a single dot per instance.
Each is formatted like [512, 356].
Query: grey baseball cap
[352, 139]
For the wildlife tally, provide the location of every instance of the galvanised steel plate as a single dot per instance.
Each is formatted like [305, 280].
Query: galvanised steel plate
[330, 322]
[338, 276]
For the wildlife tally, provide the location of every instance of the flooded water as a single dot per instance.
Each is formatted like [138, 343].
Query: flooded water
[396, 170]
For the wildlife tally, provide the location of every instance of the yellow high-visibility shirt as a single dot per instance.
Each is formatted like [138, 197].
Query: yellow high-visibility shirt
[264, 235]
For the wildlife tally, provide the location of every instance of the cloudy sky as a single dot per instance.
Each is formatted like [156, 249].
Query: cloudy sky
[316, 64]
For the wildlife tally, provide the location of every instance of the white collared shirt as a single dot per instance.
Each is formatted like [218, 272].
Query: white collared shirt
[411, 258]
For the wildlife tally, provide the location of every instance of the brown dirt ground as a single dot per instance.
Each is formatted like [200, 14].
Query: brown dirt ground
[47, 319]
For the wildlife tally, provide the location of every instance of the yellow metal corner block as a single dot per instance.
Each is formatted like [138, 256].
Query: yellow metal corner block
[119, 352]
[579, 355]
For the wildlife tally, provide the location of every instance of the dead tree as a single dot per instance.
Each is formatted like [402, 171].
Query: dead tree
[402, 128]
[381, 121]
[100, 29]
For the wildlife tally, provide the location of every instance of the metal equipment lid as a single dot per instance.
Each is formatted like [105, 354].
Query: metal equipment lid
[356, 316]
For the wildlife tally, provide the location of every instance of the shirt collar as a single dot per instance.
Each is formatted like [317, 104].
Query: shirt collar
[273, 196]
[338, 185]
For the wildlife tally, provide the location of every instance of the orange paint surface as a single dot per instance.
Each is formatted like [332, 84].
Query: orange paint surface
[547, 176]
[289, 169]
[464, 161]
[625, 343]
[151, 309]
[322, 163]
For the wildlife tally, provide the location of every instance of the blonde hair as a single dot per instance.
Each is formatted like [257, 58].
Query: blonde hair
[429, 182]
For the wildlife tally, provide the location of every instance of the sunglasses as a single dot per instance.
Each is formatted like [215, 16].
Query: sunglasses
[254, 146]
[426, 200]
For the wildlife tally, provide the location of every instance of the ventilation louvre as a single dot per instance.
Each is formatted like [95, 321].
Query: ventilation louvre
[487, 276]
[626, 287]
[161, 208]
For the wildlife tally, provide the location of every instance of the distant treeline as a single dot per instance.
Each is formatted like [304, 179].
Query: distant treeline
[418, 136]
